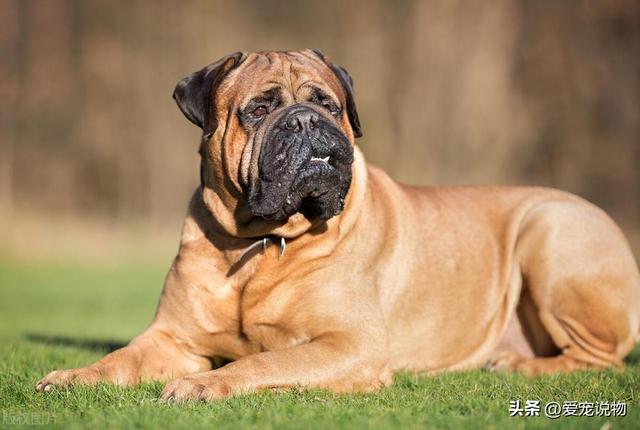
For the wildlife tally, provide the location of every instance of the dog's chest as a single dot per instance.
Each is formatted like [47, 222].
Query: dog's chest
[241, 323]
[267, 319]
[253, 310]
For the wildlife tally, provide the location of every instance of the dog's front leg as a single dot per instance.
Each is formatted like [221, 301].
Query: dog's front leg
[335, 361]
[154, 355]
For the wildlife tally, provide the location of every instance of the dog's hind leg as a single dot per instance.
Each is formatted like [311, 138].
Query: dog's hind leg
[581, 286]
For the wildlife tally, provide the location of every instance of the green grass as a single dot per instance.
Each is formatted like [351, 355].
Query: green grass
[59, 315]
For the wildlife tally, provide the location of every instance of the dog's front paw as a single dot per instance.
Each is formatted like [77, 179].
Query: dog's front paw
[63, 378]
[203, 386]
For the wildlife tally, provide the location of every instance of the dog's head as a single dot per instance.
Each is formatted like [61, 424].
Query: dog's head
[278, 130]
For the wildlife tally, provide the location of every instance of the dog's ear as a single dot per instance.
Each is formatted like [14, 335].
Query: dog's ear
[347, 84]
[195, 94]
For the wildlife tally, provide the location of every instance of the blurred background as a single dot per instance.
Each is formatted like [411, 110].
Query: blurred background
[96, 161]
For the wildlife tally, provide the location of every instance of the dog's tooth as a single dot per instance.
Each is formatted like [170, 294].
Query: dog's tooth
[325, 159]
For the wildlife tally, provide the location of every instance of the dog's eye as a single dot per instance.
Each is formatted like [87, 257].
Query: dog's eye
[259, 111]
[331, 107]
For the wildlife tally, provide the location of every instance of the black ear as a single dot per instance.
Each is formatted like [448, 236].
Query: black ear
[347, 84]
[195, 94]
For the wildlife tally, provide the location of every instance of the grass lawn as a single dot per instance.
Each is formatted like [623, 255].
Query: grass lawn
[59, 315]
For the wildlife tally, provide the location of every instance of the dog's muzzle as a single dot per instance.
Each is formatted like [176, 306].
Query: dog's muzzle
[304, 165]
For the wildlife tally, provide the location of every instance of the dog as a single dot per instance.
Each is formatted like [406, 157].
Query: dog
[307, 267]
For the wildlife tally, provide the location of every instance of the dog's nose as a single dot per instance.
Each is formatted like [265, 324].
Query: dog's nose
[303, 120]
